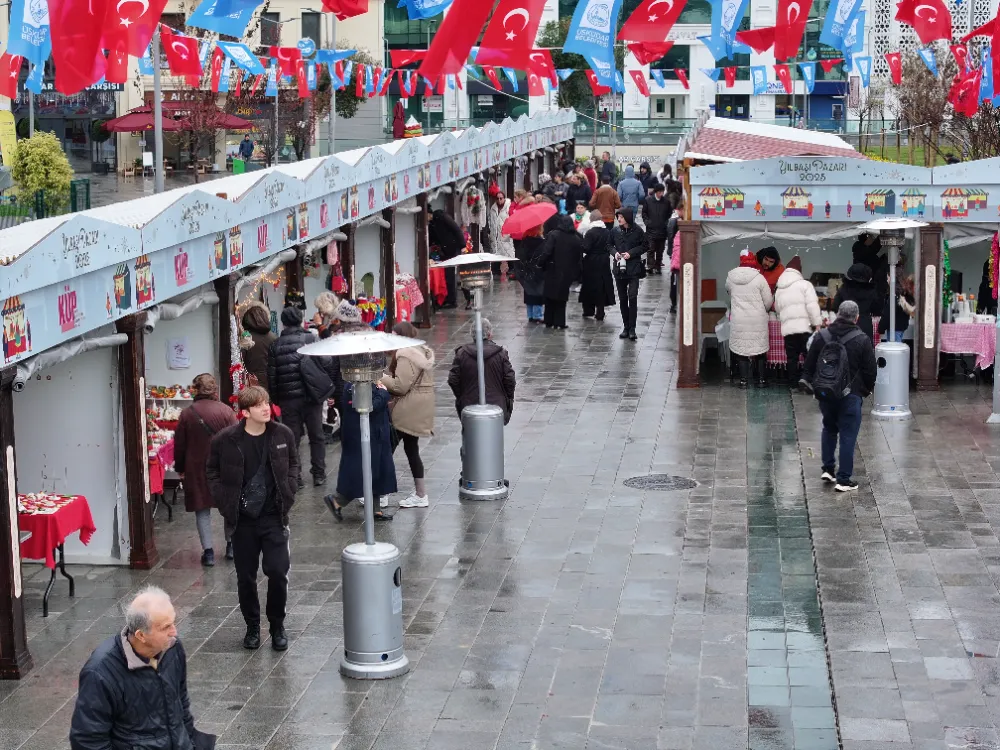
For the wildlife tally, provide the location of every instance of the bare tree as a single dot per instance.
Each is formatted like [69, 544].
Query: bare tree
[923, 99]
[869, 106]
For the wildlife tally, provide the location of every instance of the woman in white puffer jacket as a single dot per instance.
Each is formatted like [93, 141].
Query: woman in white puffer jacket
[797, 306]
[750, 300]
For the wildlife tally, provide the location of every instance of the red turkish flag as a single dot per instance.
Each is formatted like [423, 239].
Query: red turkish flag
[535, 87]
[510, 35]
[458, 82]
[288, 59]
[428, 88]
[182, 53]
[895, 60]
[827, 65]
[651, 21]
[256, 83]
[540, 61]
[217, 58]
[964, 93]
[649, 52]
[238, 83]
[359, 81]
[344, 9]
[784, 76]
[442, 84]
[682, 76]
[597, 88]
[385, 84]
[132, 23]
[378, 78]
[961, 55]
[302, 78]
[931, 19]
[791, 25]
[117, 66]
[730, 73]
[639, 77]
[453, 41]
[10, 67]
[760, 40]
[400, 58]
[76, 30]
[492, 75]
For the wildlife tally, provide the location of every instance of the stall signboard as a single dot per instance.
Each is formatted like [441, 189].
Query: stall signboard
[65, 278]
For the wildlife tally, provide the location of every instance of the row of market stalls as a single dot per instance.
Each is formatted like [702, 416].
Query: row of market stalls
[108, 314]
[812, 207]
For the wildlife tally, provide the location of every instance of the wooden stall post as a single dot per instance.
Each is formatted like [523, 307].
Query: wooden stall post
[15, 659]
[293, 274]
[689, 307]
[225, 289]
[347, 257]
[132, 377]
[425, 310]
[571, 149]
[387, 272]
[451, 201]
[540, 166]
[927, 343]
[510, 186]
[526, 182]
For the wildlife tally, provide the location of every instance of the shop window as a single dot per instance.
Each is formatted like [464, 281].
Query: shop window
[661, 106]
[679, 56]
[312, 29]
[270, 31]
[742, 63]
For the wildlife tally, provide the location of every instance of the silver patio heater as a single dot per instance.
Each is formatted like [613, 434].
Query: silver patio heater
[372, 576]
[892, 383]
[482, 423]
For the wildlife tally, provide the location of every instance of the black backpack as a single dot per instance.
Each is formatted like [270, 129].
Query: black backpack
[832, 380]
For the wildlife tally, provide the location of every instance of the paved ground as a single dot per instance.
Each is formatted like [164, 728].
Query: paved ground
[585, 614]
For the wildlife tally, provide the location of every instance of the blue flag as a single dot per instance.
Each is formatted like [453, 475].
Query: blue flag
[730, 13]
[451, 82]
[203, 51]
[838, 22]
[331, 56]
[146, 63]
[242, 56]
[808, 75]
[227, 69]
[34, 80]
[854, 39]
[658, 77]
[864, 66]
[758, 74]
[712, 73]
[592, 34]
[564, 73]
[348, 67]
[29, 31]
[208, 15]
[272, 80]
[369, 80]
[619, 86]
[473, 72]
[418, 9]
[927, 55]
[311, 75]
[512, 77]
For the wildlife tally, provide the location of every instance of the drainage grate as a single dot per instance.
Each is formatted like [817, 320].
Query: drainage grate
[660, 482]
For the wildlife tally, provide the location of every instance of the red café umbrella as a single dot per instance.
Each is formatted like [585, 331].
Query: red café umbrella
[135, 122]
[528, 217]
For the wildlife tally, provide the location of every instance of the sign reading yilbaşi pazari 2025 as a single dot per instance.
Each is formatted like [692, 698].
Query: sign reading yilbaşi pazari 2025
[844, 189]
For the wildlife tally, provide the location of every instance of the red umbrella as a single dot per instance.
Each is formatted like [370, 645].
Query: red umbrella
[135, 122]
[528, 217]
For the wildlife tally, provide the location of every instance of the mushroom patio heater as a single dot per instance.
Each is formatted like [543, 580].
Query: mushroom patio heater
[482, 423]
[372, 576]
[892, 384]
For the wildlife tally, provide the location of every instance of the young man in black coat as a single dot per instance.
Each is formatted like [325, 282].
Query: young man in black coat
[560, 259]
[629, 245]
[252, 473]
[656, 210]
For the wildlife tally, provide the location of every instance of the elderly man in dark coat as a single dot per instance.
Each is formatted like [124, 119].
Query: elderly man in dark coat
[560, 259]
[198, 424]
[463, 379]
[598, 289]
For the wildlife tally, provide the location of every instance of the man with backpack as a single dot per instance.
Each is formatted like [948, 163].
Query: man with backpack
[841, 370]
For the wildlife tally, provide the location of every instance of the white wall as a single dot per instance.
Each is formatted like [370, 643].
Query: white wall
[367, 256]
[199, 328]
[67, 425]
[969, 261]
[406, 243]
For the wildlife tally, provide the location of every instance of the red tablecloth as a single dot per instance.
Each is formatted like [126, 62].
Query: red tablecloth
[49, 530]
[156, 473]
[438, 285]
[970, 338]
[776, 342]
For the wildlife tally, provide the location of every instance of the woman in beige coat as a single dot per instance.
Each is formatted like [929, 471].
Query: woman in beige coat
[410, 381]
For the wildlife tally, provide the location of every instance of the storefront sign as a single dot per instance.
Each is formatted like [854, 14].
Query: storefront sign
[8, 136]
[433, 104]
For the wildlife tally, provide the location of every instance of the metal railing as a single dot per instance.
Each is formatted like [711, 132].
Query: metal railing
[18, 206]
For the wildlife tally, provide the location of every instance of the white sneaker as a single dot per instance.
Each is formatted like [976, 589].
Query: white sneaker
[383, 502]
[415, 501]
[827, 477]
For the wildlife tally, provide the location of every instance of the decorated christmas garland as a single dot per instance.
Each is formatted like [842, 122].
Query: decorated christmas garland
[946, 293]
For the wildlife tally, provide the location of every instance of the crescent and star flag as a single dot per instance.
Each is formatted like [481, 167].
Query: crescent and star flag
[791, 25]
[241, 55]
[658, 77]
[129, 24]
[964, 93]
[596, 87]
[758, 74]
[10, 67]
[535, 87]
[759, 40]
[344, 9]
[302, 79]
[510, 34]
[540, 61]
[181, 52]
[808, 75]
[400, 58]
[652, 20]
[288, 59]
[592, 34]
[682, 76]
[895, 61]
[930, 19]
[377, 82]
[217, 57]
[76, 30]
[927, 55]
[491, 73]
[649, 52]
[640, 81]
[117, 67]
[961, 54]
[785, 76]
[730, 73]
[29, 30]
[838, 21]
[453, 41]
[418, 9]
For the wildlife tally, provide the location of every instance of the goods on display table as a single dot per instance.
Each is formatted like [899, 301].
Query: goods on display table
[50, 518]
[776, 342]
[412, 129]
[163, 409]
[979, 339]
[408, 296]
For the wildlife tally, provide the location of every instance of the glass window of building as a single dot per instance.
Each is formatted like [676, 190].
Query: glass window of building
[270, 29]
[742, 63]
[679, 56]
[312, 29]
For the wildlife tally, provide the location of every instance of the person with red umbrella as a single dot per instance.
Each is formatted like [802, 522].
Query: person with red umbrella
[526, 228]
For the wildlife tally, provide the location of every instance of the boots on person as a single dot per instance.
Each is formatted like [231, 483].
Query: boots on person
[744, 365]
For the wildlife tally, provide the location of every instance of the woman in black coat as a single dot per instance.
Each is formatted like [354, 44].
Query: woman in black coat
[443, 231]
[858, 288]
[528, 251]
[349, 479]
[598, 289]
[560, 260]
[578, 192]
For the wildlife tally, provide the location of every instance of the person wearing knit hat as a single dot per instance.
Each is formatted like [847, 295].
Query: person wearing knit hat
[797, 306]
[750, 299]
[347, 313]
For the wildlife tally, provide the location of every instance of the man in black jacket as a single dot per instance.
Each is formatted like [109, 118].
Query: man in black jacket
[133, 688]
[500, 381]
[444, 231]
[629, 245]
[843, 417]
[252, 474]
[609, 170]
[656, 212]
[300, 389]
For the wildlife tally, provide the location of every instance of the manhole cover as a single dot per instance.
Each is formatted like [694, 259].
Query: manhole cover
[660, 482]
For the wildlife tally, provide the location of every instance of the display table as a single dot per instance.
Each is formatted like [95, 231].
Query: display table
[438, 286]
[979, 339]
[49, 519]
[160, 462]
